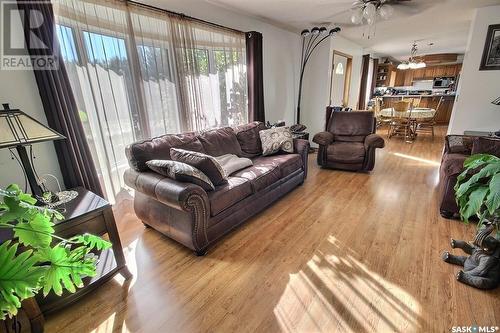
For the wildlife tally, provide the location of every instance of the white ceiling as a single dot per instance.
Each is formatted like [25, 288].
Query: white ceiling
[443, 22]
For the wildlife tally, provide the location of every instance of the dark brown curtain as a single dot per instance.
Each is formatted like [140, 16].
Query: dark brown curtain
[374, 77]
[255, 76]
[364, 81]
[58, 101]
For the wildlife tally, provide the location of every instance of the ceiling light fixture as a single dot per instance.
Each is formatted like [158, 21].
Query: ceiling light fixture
[367, 11]
[412, 62]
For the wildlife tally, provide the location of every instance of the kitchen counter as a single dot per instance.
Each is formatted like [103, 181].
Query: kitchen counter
[417, 96]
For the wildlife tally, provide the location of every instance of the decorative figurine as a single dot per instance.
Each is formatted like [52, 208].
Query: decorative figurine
[482, 266]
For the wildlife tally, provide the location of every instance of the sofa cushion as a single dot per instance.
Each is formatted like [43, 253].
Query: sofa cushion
[182, 172]
[231, 163]
[249, 138]
[263, 173]
[159, 148]
[207, 164]
[220, 141]
[346, 152]
[481, 145]
[228, 194]
[287, 163]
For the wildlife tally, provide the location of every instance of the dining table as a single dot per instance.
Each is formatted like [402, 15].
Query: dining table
[415, 113]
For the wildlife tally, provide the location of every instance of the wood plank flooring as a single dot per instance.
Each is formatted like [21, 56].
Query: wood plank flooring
[345, 252]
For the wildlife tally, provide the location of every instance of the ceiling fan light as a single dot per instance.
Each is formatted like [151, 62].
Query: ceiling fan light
[413, 65]
[421, 64]
[403, 66]
[315, 30]
[369, 11]
[370, 20]
[386, 11]
[322, 29]
[304, 33]
[357, 17]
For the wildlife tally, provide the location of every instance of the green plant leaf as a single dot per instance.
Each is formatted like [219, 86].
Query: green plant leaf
[36, 231]
[19, 278]
[474, 203]
[488, 171]
[92, 241]
[493, 198]
[66, 268]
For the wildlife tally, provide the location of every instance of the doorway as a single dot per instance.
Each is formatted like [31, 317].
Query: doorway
[340, 79]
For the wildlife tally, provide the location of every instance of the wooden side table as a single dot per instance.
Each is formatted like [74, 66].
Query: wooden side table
[88, 213]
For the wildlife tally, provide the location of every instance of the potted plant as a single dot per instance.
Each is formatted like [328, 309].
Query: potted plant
[34, 259]
[477, 192]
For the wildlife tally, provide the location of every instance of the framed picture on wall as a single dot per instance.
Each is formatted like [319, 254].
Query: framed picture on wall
[491, 52]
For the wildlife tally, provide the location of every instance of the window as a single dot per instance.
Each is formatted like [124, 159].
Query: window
[138, 73]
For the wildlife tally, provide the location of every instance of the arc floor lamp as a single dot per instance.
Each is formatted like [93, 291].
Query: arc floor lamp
[310, 41]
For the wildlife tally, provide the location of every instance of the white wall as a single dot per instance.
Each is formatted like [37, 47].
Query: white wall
[281, 56]
[316, 85]
[473, 109]
[19, 89]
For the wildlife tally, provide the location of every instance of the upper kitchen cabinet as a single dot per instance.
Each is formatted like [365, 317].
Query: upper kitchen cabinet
[429, 72]
[418, 74]
[386, 75]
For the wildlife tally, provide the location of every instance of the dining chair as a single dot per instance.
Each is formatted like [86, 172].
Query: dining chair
[401, 121]
[380, 118]
[426, 125]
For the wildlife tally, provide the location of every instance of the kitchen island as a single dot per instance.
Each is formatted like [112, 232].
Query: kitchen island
[427, 101]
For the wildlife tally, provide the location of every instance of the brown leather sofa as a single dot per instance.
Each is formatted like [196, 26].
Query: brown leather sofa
[196, 218]
[349, 141]
[457, 149]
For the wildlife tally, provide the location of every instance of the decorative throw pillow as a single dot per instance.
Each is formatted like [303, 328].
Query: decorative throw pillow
[232, 163]
[182, 172]
[276, 139]
[220, 141]
[203, 162]
[249, 139]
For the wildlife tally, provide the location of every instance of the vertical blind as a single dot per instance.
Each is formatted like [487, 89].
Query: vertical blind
[137, 73]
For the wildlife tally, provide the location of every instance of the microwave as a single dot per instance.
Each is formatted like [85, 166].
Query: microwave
[443, 82]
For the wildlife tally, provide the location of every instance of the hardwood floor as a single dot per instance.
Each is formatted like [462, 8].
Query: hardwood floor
[345, 252]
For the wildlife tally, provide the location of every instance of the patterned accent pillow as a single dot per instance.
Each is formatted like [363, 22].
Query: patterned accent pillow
[182, 172]
[203, 162]
[276, 139]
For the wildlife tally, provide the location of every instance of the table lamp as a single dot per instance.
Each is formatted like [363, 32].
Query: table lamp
[18, 130]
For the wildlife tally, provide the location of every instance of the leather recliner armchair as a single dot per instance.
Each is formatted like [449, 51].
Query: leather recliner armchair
[349, 141]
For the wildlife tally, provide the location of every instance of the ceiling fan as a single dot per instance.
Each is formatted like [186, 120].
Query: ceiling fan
[362, 12]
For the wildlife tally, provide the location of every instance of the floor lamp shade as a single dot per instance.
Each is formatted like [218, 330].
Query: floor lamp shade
[17, 129]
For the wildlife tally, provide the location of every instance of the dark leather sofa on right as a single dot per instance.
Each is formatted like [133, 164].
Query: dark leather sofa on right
[194, 217]
[349, 141]
[457, 149]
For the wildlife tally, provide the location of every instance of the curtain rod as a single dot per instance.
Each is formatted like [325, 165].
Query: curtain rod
[182, 15]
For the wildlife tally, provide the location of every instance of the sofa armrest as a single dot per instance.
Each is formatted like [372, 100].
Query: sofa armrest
[301, 147]
[323, 138]
[374, 141]
[165, 190]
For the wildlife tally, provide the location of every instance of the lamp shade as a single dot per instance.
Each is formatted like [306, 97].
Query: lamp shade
[17, 128]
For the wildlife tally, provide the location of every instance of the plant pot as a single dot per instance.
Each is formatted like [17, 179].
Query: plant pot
[29, 319]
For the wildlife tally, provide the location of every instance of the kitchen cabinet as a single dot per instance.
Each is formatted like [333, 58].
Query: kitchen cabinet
[429, 73]
[418, 74]
[386, 75]
[440, 71]
[400, 78]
